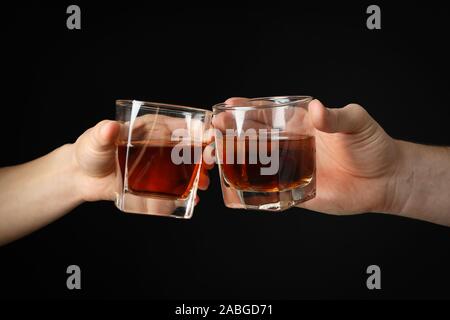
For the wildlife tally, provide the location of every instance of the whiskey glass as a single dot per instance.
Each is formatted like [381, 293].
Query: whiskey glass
[159, 157]
[265, 149]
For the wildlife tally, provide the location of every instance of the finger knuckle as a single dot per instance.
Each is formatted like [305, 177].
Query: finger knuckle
[358, 110]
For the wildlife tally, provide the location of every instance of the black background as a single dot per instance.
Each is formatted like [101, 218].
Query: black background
[58, 82]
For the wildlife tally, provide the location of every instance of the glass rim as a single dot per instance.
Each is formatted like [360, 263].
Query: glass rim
[150, 105]
[292, 101]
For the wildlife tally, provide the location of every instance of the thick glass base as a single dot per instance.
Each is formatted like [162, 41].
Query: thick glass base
[268, 201]
[131, 203]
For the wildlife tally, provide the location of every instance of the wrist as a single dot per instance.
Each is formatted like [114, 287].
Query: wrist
[68, 174]
[401, 183]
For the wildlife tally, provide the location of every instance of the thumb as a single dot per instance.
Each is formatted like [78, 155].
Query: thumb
[103, 136]
[350, 119]
[95, 149]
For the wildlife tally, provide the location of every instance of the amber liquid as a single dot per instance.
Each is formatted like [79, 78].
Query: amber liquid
[296, 159]
[151, 171]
